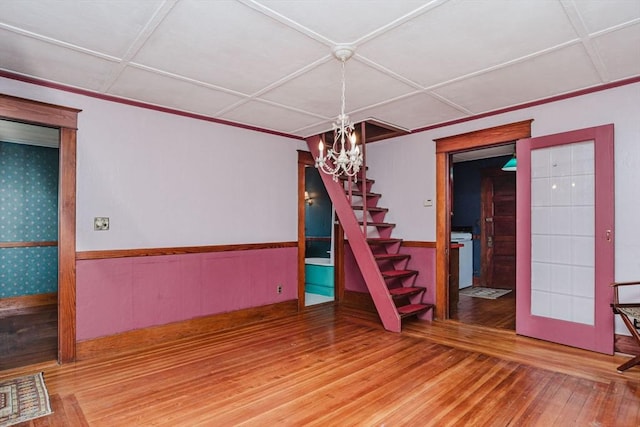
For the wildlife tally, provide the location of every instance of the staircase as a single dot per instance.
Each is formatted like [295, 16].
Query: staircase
[391, 285]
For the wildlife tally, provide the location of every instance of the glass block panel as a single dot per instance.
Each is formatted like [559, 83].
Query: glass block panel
[563, 218]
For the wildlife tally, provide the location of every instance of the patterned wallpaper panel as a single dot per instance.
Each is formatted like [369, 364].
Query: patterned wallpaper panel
[28, 213]
[28, 271]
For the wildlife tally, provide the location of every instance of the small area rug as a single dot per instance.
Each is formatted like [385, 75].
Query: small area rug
[23, 399]
[486, 293]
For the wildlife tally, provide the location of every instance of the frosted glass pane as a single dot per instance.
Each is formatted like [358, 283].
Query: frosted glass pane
[560, 220]
[560, 276]
[561, 161]
[582, 161]
[540, 220]
[583, 282]
[561, 249]
[541, 192]
[540, 164]
[582, 251]
[562, 227]
[541, 276]
[561, 307]
[540, 248]
[561, 191]
[582, 220]
[582, 189]
[540, 303]
[583, 310]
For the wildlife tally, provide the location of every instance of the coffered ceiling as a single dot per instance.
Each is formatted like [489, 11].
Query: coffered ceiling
[269, 63]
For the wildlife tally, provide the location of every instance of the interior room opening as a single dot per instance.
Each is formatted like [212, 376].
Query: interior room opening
[482, 289]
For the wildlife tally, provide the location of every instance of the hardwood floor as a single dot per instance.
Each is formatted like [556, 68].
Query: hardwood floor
[28, 335]
[335, 366]
[497, 313]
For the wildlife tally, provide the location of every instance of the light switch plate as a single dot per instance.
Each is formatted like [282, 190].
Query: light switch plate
[101, 223]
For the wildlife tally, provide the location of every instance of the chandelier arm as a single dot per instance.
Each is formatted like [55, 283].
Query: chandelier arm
[339, 160]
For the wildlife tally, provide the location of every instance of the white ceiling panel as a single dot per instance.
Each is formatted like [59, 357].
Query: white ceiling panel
[269, 63]
[173, 93]
[269, 117]
[412, 112]
[530, 80]
[461, 37]
[343, 21]
[225, 43]
[365, 86]
[36, 58]
[620, 51]
[599, 15]
[105, 26]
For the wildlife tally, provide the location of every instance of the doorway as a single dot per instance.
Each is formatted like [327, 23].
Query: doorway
[29, 170]
[483, 225]
[319, 244]
[66, 120]
[319, 241]
[445, 147]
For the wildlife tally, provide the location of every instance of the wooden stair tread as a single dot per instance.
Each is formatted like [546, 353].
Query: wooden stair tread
[370, 209]
[390, 257]
[360, 193]
[377, 224]
[382, 241]
[406, 291]
[346, 178]
[413, 309]
[394, 274]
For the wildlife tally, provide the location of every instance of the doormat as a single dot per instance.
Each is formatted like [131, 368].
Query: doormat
[486, 293]
[23, 399]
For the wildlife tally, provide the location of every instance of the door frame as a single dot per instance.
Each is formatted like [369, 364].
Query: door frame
[444, 198]
[305, 159]
[65, 119]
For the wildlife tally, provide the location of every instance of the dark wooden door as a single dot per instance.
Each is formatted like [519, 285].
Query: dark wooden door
[498, 229]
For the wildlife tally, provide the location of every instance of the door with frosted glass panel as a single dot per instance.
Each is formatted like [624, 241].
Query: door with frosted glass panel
[565, 250]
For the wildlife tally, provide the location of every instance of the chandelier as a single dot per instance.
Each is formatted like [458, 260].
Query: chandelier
[344, 156]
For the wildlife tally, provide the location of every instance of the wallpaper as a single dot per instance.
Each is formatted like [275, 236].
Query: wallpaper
[28, 213]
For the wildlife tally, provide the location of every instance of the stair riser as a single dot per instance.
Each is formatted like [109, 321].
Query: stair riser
[371, 216]
[371, 201]
[393, 264]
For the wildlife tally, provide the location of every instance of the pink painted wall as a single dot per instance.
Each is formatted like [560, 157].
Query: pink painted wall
[422, 259]
[123, 294]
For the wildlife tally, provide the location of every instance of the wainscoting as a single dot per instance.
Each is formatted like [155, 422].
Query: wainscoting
[120, 291]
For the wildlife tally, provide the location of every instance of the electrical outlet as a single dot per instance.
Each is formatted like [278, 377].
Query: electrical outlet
[100, 223]
[279, 289]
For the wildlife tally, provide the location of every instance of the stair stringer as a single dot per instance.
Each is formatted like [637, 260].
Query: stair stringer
[361, 250]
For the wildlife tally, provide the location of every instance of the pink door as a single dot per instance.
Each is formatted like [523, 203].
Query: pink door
[565, 250]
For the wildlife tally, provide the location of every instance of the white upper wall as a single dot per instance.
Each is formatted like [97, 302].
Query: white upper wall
[166, 180]
[404, 167]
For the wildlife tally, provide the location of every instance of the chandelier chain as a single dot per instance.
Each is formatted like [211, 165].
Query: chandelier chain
[344, 89]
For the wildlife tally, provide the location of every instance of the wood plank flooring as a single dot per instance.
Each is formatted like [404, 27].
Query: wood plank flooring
[497, 313]
[334, 366]
[28, 335]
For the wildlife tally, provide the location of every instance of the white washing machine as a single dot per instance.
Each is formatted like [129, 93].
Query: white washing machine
[466, 257]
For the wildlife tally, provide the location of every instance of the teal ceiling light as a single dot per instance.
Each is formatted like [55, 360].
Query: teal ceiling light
[511, 165]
